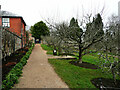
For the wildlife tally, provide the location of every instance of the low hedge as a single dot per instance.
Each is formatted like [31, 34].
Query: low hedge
[16, 71]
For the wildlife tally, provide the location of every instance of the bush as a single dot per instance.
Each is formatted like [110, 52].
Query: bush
[16, 71]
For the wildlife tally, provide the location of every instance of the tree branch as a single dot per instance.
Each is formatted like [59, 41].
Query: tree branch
[93, 42]
[89, 52]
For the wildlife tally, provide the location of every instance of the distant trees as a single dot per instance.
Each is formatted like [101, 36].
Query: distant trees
[39, 29]
[57, 38]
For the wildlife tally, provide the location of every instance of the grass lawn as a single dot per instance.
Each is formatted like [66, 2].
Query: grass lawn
[74, 76]
[77, 77]
[47, 48]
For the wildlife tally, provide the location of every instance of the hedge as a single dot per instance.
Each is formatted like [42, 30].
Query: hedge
[16, 71]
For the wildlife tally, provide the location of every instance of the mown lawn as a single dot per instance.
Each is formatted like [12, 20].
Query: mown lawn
[77, 77]
[47, 48]
[74, 76]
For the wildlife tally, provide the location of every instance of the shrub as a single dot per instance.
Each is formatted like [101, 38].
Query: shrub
[16, 71]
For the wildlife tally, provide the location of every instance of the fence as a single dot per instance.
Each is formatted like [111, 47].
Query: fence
[10, 42]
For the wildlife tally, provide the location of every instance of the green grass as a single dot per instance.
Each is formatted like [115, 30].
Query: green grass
[74, 76]
[47, 48]
[77, 77]
[94, 58]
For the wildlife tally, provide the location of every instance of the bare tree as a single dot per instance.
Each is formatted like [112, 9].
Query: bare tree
[77, 38]
[57, 39]
[109, 56]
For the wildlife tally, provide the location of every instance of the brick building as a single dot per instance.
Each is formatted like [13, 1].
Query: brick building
[14, 23]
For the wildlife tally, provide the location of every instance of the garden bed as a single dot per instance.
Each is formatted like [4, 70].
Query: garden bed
[84, 65]
[106, 83]
[12, 60]
[13, 75]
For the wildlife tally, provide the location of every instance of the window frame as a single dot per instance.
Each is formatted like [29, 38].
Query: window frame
[6, 22]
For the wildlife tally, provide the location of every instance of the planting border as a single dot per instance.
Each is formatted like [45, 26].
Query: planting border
[16, 71]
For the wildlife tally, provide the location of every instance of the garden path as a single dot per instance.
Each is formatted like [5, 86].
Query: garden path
[38, 73]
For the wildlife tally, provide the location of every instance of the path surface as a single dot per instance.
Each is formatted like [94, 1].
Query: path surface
[60, 57]
[38, 73]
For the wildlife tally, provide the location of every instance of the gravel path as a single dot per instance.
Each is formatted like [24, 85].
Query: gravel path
[38, 73]
[61, 57]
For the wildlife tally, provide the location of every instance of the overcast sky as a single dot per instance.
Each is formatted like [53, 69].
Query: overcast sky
[36, 10]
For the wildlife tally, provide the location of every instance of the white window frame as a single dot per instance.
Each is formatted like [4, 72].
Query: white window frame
[6, 22]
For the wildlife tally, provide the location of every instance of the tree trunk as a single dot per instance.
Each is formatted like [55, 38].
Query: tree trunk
[114, 77]
[59, 51]
[106, 53]
[80, 54]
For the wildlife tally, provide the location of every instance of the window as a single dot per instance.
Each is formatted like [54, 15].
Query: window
[6, 22]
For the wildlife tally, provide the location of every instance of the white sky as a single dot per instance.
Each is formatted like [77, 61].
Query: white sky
[35, 10]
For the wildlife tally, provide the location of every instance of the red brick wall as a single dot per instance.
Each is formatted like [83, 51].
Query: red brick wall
[15, 25]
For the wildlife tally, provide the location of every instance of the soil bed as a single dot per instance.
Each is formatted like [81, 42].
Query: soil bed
[84, 65]
[12, 60]
[108, 84]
